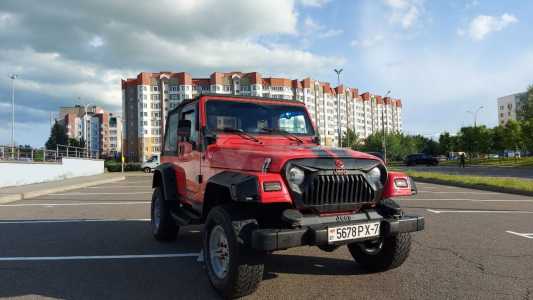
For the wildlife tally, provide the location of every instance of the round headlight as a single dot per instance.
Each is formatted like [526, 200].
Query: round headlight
[296, 176]
[374, 175]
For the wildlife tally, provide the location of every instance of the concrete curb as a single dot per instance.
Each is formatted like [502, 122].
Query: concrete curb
[32, 194]
[477, 187]
[10, 198]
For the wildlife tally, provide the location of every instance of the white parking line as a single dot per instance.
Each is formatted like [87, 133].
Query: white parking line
[481, 211]
[526, 235]
[76, 204]
[456, 192]
[119, 187]
[71, 221]
[471, 200]
[99, 257]
[110, 193]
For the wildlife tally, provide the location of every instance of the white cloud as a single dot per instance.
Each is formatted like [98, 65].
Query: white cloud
[314, 3]
[471, 4]
[406, 13]
[330, 33]
[313, 29]
[368, 42]
[96, 42]
[53, 48]
[482, 25]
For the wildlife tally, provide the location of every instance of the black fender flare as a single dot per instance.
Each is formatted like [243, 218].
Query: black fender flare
[230, 186]
[165, 177]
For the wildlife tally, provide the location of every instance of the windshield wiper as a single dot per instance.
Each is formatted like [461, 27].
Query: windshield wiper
[241, 133]
[285, 133]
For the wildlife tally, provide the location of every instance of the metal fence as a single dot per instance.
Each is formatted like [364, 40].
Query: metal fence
[28, 154]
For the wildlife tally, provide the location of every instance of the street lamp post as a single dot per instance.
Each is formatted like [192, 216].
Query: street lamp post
[339, 132]
[474, 114]
[383, 140]
[13, 77]
[85, 130]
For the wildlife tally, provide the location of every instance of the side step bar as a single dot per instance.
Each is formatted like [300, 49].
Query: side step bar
[184, 216]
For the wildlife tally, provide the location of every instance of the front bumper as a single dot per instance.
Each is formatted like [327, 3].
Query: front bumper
[316, 234]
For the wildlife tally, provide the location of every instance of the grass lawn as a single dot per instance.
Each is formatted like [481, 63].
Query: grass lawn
[524, 185]
[494, 162]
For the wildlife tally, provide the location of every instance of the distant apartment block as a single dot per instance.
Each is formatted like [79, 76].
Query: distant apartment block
[147, 98]
[508, 107]
[100, 129]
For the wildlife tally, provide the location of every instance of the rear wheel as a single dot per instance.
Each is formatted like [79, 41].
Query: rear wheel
[233, 269]
[164, 228]
[383, 254]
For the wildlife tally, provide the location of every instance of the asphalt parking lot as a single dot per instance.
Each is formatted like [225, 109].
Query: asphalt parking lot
[95, 243]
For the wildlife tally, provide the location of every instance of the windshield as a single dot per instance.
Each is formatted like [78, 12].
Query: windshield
[258, 118]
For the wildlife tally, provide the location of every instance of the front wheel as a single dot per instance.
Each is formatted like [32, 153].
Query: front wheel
[147, 170]
[233, 269]
[164, 228]
[383, 254]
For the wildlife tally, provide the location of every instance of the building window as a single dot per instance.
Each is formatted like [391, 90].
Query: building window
[155, 88]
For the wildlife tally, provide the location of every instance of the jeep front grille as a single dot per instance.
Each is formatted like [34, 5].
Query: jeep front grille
[337, 191]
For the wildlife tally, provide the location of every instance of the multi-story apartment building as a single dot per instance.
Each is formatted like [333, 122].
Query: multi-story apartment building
[115, 135]
[147, 98]
[508, 106]
[92, 126]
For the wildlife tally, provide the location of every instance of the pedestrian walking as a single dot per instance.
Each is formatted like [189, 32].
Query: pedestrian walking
[462, 160]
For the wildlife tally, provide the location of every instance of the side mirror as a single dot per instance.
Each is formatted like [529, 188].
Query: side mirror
[184, 128]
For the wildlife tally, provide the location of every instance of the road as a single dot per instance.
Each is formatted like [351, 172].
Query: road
[95, 243]
[522, 172]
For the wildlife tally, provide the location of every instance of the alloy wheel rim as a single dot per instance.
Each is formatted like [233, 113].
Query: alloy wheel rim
[219, 252]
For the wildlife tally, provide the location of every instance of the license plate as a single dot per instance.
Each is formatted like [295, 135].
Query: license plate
[353, 232]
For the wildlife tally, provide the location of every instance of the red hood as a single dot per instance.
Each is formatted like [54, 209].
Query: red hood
[246, 155]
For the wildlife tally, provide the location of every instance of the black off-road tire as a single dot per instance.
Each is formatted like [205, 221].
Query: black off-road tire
[165, 229]
[246, 266]
[394, 252]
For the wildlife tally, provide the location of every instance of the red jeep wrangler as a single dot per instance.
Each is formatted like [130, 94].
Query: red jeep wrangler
[252, 170]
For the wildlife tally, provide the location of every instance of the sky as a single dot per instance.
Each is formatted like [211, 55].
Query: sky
[442, 58]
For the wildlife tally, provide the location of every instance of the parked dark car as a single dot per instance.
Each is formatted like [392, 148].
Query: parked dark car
[421, 159]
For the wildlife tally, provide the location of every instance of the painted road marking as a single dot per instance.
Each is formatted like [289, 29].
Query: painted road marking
[70, 221]
[76, 204]
[110, 193]
[119, 187]
[471, 200]
[481, 211]
[456, 192]
[100, 257]
[526, 235]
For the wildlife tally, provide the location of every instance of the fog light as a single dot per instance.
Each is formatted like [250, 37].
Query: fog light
[401, 183]
[272, 186]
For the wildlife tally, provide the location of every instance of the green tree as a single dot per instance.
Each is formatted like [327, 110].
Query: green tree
[76, 143]
[513, 136]
[527, 134]
[447, 143]
[498, 139]
[351, 140]
[58, 136]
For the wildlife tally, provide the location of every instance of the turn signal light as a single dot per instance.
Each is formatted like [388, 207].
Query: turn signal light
[272, 186]
[401, 183]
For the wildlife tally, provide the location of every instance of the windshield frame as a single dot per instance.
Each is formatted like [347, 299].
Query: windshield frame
[264, 102]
